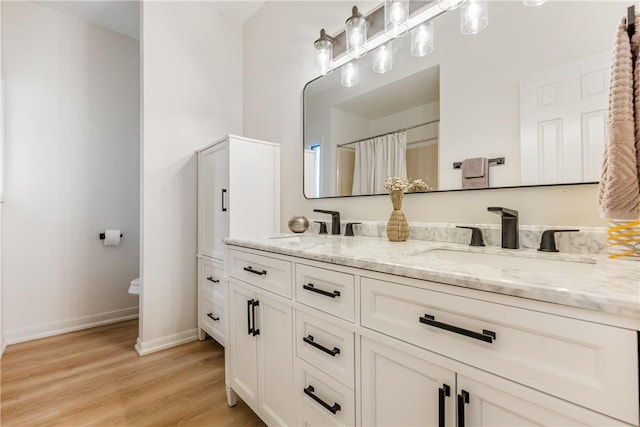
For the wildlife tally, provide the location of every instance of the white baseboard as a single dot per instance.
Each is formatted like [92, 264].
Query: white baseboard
[57, 328]
[147, 347]
[3, 345]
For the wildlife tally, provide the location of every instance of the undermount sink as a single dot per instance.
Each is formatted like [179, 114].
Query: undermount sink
[582, 266]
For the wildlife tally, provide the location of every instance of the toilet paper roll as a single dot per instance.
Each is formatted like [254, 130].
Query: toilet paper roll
[112, 237]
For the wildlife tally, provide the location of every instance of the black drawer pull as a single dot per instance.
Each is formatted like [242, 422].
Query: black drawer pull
[333, 409]
[211, 279]
[215, 319]
[310, 287]
[309, 340]
[486, 336]
[463, 398]
[251, 270]
[254, 304]
[249, 310]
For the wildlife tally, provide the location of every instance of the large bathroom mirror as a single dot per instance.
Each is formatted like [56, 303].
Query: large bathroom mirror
[529, 93]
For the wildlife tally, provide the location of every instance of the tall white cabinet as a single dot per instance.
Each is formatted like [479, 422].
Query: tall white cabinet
[239, 196]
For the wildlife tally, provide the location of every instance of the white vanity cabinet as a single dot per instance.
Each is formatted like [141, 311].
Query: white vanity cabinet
[238, 195]
[375, 349]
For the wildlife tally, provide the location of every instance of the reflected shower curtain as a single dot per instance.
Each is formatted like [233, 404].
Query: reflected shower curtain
[376, 159]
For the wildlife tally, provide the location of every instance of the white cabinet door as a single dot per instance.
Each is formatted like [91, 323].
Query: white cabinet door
[401, 390]
[244, 355]
[275, 360]
[213, 222]
[488, 400]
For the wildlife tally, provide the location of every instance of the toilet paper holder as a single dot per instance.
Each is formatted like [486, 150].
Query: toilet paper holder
[102, 236]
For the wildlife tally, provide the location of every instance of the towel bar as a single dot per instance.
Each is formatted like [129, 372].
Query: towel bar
[496, 161]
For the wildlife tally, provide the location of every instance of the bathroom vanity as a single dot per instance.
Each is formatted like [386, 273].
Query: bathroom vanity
[333, 330]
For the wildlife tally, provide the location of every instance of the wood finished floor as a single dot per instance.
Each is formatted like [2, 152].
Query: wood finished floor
[95, 378]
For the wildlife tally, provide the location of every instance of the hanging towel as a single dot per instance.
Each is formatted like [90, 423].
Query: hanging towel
[475, 173]
[619, 190]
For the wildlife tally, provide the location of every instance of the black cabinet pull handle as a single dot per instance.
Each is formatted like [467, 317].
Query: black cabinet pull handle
[333, 409]
[463, 398]
[215, 319]
[443, 392]
[251, 270]
[486, 336]
[310, 287]
[249, 310]
[254, 304]
[309, 340]
[224, 190]
[211, 279]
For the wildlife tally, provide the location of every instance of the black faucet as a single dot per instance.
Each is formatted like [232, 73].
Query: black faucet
[335, 220]
[510, 238]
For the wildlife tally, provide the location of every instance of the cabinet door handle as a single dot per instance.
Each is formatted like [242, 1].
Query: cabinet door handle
[249, 326]
[215, 319]
[443, 392]
[310, 287]
[254, 304]
[251, 270]
[211, 279]
[463, 398]
[486, 336]
[333, 409]
[309, 340]
[224, 191]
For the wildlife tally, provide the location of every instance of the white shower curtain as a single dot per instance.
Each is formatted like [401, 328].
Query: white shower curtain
[377, 159]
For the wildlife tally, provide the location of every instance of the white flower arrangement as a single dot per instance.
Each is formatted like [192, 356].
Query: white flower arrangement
[418, 185]
[396, 183]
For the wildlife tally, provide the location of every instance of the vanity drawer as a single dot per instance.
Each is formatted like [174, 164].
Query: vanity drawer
[326, 290]
[265, 272]
[212, 319]
[211, 277]
[578, 361]
[321, 400]
[326, 346]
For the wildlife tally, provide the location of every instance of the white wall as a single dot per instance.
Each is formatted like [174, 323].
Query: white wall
[72, 165]
[276, 69]
[192, 96]
[3, 341]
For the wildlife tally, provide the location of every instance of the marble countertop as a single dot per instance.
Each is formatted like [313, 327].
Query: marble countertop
[586, 281]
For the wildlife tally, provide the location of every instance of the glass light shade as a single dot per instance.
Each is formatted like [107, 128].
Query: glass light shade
[383, 58]
[396, 15]
[533, 2]
[450, 4]
[349, 74]
[422, 39]
[356, 34]
[474, 16]
[324, 53]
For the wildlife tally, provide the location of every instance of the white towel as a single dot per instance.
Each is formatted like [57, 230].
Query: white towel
[619, 190]
[475, 173]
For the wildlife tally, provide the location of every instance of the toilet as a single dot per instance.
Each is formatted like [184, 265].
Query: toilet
[134, 288]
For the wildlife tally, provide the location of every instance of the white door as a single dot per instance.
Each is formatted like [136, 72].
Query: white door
[212, 210]
[243, 344]
[488, 400]
[221, 198]
[275, 360]
[402, 390]
[563, 114]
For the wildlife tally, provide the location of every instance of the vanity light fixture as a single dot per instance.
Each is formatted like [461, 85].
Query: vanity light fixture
[349, 74]
[533, 2]
[383, 58]
[324, 53]
[450, 4]
[396, 16]
[422, 39]
[474, 16]
[356, 34]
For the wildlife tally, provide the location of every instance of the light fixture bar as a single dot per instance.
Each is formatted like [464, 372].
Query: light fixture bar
[375, 22]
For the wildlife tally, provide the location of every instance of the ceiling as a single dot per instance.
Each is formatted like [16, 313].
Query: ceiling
[123, 16]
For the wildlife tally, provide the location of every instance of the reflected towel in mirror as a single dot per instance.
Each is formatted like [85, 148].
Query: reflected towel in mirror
[475, 173]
